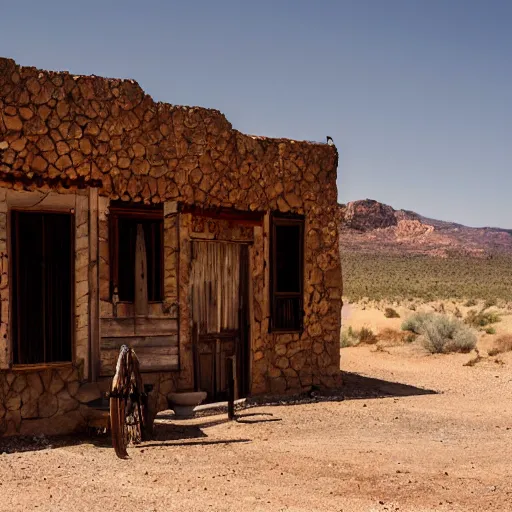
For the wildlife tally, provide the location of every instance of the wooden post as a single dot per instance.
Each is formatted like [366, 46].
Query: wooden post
[231, 387]
[94, 297]
[141, 274]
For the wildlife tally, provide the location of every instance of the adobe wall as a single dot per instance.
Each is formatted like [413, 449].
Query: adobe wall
[63, 133]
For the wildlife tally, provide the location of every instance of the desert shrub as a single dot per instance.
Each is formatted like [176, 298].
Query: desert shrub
[470, 303]
[391, 313]
[392, 335]
[394, 277]
[367, 336]
[410, 337]
[348, 339]
[415, 322]
[481, 318]
[442, 334]
[490, 330]
[501, 345]
[489, 303]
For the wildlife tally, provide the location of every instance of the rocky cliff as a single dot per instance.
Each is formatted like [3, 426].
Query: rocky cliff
[370, 226]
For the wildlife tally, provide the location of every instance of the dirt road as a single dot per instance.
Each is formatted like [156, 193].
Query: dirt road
[385, 447]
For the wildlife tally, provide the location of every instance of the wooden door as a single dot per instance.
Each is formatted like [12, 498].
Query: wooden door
[219, 280]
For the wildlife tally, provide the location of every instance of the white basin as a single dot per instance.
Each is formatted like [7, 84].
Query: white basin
[183, 403]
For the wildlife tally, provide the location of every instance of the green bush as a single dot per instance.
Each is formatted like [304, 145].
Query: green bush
[490, 330]
[481, 318]
[415, 322]
[391, 313]
[442, 334]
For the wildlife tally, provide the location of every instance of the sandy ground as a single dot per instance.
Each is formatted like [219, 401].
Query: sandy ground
[414, 433]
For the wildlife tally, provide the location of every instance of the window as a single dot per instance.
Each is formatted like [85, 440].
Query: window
[42, 287]
[124, 224]
[287, 263]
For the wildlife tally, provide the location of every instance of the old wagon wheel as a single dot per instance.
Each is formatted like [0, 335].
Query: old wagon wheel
[128, 403]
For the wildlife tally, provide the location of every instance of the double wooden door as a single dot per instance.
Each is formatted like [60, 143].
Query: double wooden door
[219, 288]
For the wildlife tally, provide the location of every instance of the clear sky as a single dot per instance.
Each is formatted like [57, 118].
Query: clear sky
[417, 94]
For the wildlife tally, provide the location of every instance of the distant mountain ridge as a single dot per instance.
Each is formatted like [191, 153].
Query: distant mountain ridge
[373, 227]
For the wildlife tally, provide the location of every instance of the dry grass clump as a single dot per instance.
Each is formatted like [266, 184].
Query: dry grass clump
[389, 335]
[391, 313]
[501, 345]
[367, 336]
[351, 337]
[440, 333]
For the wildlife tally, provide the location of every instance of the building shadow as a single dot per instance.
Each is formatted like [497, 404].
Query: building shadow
[170, 432]
[356, 386]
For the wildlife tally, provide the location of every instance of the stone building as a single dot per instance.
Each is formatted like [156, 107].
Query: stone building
[123, 220]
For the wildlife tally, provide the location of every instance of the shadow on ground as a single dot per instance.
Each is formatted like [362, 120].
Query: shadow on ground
[357, 386]
[170, 432]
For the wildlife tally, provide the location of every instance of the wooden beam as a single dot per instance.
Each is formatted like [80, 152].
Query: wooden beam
[141, 274]
[245, 218]
[94, 296]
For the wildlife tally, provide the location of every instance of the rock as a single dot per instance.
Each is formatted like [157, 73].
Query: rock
[35, 384]
[57, 425]
[13, 402]
[56, 384]
[19, 384]
[13, 123]
[39, 164]
[19, 144]
[66, 402]
[283, 363]
[73, 387]
[30, 409]
[63, 163]
[26, 113]
[47, 404]
[88, 392]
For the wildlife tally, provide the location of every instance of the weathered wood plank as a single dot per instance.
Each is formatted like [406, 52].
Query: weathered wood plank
[94, 327]
[136, 342]
[141, 273]
[151, 359]
[153, 326]
[117, 327]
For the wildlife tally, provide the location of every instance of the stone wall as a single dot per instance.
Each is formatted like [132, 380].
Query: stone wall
[60, 132]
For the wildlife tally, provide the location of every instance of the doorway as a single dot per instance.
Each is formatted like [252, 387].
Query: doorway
[219, 299]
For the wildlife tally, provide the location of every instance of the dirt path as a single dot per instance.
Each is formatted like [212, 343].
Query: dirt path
[396, 448]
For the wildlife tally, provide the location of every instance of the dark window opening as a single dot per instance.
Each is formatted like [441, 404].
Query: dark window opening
[287, 274]
[42, 265]
[123, 234]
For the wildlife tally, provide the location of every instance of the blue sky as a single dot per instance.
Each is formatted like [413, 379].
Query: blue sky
[417, 94]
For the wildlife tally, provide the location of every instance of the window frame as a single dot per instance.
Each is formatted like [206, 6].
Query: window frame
[12, 212]
[276, 220]
[138, 212]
